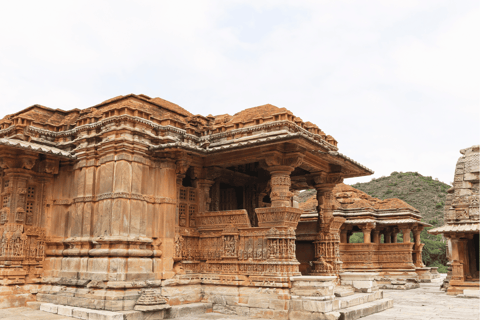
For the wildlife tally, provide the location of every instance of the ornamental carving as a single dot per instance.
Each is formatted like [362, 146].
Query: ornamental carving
[164, 196]
[21, 244]
[281, 180]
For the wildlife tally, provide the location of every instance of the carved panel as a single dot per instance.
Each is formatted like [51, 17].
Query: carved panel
[221, 219]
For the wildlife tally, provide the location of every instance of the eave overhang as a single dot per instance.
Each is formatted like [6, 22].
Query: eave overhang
[35, 147]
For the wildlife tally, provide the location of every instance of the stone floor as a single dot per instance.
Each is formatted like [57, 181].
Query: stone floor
[426, 302]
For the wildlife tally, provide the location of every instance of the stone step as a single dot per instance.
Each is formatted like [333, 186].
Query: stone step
[469, 293]
[81, 313]
[344, 291]
[186, 310]
[365, 309]
[179, 311]
[358, 299]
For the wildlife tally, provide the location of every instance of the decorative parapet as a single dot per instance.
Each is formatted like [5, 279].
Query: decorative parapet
[222, 219]
[246, 252]
[359, 256]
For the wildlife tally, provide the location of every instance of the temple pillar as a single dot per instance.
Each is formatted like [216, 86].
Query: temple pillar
[418, 247]
[343, 236]
[367, 229]
[204, 199]
[280, 195]
[215, 204]
[406, 234]
[181, 170]
[376, 236]
[463, 256]
[164, 221]
[327, 251]
[394, 235]
[179, 180]
[22, 247]
[387, 236]
[457, 265]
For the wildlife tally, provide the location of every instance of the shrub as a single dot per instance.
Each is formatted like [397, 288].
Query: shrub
[441, 267]
[356, 237]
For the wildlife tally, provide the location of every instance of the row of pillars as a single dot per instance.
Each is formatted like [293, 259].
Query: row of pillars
[370, 235]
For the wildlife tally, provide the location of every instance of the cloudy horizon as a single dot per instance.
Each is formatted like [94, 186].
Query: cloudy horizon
[395, 83]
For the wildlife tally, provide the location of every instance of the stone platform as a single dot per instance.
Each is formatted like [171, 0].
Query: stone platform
[426, 302]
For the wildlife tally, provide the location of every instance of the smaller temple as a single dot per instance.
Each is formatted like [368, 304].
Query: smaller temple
[462, 224]
[398, 264]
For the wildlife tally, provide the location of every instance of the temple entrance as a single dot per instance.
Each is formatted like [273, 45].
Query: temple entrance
[305, 253]
[473, 256]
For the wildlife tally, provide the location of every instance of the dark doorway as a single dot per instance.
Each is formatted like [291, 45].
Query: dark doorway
[305, 252]
[473, 258]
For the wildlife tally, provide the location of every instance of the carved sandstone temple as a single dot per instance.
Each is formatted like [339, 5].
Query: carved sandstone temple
[136, 202]
[463, 224]
[398, 264]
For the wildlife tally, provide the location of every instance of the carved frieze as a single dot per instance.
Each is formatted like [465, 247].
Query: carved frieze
[221, 219]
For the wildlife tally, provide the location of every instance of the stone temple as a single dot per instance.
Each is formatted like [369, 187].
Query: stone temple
[463, 225]
[136, 207]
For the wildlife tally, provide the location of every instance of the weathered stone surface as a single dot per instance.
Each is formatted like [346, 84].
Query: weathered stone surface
[65, 311]
[137, 204]
[49, 307]
[462, 224]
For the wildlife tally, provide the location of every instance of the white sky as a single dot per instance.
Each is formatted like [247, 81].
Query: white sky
[395, 82]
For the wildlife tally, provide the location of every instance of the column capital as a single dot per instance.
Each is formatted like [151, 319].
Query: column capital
[368, 227]
[276, 158]
[182, 166]
[324, 181]
[204, 183]
[417, 228]
[166, 163]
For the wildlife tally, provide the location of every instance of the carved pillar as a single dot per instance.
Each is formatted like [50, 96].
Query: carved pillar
[14, 198]
[376, 236]
[181, 169]
[343, 236]
[463, 256]
[394, 235]
[204, 199]
[367, 229]
[215, 204]
[387, 236]
[164, 220]
[327, 245]
[280, 194]
[22, 248]
[418, 247]
[280, 166]
[457, 265]
[406, 234]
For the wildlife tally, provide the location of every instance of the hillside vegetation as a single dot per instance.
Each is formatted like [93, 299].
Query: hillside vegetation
[423, 193]
[427, 196]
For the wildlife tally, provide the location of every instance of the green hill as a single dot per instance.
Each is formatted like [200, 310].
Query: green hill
[423, 193]
[427, 196]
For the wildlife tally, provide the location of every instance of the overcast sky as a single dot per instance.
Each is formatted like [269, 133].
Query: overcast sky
[395, 82]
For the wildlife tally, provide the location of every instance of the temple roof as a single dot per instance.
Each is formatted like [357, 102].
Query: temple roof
[163, 126]
[390, 221]
[35, 147]
[470, 227]
[347, 197]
